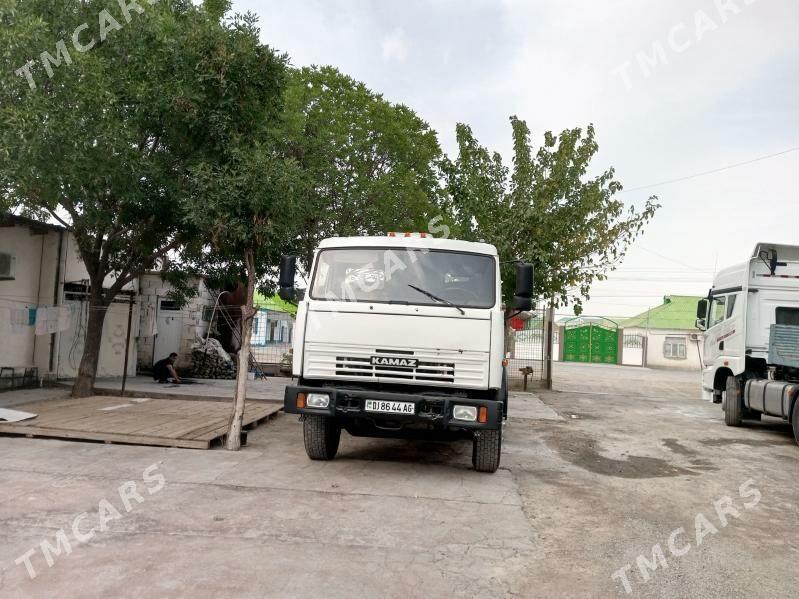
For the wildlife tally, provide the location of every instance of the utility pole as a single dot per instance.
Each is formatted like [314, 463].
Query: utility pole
[550, 342]
[127, 344]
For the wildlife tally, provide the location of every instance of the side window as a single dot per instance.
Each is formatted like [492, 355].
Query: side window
[788, 316]
[674, 348]
[718, 310]
[731, 305]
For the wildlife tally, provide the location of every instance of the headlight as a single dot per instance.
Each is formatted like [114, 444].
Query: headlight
[318, 400]
[468, 413]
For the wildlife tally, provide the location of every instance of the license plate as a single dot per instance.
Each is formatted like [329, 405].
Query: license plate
[390, 407]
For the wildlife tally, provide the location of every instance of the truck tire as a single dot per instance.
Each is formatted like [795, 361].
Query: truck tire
[733, 403]
[321, 435]
[504, 393]
[486, 450]
[795, 420]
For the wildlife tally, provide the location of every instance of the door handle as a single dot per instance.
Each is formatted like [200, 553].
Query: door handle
[721, 346]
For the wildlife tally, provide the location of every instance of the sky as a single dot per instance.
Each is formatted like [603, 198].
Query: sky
[674, 88]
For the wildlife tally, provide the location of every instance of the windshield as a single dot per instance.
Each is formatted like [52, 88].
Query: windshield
[405, 276]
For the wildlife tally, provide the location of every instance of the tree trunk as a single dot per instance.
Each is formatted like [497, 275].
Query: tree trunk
[239, 399]
[87, 371]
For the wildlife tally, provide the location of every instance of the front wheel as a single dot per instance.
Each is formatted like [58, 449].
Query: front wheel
[503, 392]
[796, 420]
[733, 403]
[321, 435]
[486, 449]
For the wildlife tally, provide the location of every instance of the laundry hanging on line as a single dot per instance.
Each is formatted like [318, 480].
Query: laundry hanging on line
[52, 319]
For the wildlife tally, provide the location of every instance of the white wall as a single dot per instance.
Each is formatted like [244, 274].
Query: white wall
[112, 347]
[34, 284]
[192, 325]
[655, 341]
[39, 282]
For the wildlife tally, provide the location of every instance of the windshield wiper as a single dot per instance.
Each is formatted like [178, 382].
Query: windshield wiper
[438, 299]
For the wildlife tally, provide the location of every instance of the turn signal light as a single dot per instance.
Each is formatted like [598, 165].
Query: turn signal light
[505, 362]
[300, 400]
[482, 415]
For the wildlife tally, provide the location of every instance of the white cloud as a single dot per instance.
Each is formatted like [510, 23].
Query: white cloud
[395, 46]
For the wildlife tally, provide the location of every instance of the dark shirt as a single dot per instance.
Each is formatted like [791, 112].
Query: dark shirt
[160, 370]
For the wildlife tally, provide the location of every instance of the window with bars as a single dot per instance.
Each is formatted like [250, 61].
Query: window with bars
[675, 348]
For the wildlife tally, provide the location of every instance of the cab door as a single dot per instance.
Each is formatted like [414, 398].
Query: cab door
[714, 345]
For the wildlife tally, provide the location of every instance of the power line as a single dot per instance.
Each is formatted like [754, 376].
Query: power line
[712, 171]
[675, 261]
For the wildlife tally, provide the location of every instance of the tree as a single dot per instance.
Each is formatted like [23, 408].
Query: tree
[104, 116]
[248, 206]
[368, 166]
[547, 209]
[243, 196]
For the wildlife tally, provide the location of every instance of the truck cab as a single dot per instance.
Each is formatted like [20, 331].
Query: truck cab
[401, 335]
[750, 321]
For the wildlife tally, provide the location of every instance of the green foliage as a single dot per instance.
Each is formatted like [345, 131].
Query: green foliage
[547, 209]
[108, 144]
[217, 8]
[181, 132]
[368, 166]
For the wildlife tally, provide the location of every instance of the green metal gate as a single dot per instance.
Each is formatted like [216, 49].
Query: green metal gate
[593, 341]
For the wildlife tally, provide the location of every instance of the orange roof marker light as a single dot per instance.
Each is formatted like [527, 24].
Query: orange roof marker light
[408, 234]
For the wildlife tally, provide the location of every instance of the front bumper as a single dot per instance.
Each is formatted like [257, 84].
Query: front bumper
[432, 409]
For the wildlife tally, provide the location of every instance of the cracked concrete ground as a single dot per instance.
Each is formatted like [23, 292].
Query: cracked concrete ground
[592, 476]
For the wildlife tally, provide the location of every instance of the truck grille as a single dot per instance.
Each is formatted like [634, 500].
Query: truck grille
[436, 367]
[358, 366]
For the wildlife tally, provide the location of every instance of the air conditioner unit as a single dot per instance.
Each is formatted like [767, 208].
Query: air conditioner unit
[7, 263]
[695, 337]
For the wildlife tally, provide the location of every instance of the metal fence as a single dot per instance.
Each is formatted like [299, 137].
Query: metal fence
[272, 337]
[527, 350]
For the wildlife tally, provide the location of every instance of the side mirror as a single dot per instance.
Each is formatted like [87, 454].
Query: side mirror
[773, 262]
[701, 324]
[288, 270]
[523, 304]
[523, 298]
[702, 309]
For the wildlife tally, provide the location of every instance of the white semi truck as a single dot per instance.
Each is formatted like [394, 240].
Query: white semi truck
[750, 321]
[401, 336]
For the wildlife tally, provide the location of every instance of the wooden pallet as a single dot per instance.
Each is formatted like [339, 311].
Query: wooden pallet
[139, 421]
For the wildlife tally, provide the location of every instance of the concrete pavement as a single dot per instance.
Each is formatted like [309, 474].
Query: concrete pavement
[591, 479]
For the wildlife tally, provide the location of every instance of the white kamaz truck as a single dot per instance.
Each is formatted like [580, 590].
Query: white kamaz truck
[401, 336]
[750, 321]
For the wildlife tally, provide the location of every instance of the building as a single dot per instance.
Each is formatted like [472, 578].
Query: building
[272, 329]
[44, 305]
[668, 335]
[164, 327]
[44, 309]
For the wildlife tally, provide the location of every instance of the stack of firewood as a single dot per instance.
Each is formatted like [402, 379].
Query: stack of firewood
[211, 361]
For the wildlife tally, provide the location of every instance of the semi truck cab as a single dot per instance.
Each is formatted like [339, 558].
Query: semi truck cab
[750, 320]
[398, 336]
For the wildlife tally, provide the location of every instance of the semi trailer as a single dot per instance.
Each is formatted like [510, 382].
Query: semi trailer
[402, 336]
[750, 324]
